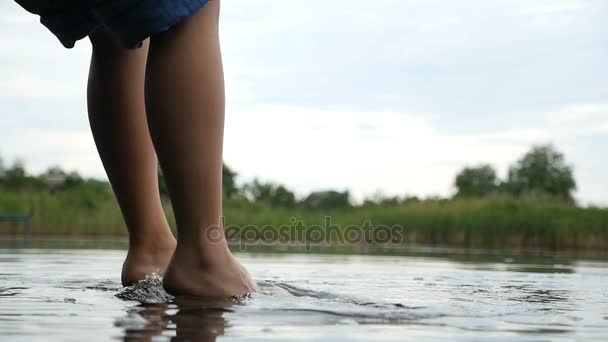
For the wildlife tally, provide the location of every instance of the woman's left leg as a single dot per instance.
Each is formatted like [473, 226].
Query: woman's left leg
[185, 107]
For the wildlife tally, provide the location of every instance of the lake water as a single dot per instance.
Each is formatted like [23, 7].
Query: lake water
[71, 295]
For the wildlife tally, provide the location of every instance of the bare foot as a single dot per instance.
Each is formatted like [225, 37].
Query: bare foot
[220, 275]
[147, 258]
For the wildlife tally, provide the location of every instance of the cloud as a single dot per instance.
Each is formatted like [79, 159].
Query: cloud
[466, 63]
[32, 87]
[39, 148]
[555, 8]
[574, 113]
[309, 148]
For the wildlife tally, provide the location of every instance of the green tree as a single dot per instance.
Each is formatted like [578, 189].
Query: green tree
[229, 181]
[269, 193]
[14, 177]
[282, 197]
[53, 178]
[476, 181]
[72, 180]
[542, 170]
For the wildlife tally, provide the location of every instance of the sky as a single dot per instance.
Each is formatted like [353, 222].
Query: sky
[387, 96]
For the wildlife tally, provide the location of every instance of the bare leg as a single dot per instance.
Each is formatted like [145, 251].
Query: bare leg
[185, 106]
[118, 120]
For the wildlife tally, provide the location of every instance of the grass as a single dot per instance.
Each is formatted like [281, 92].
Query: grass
[499, 222]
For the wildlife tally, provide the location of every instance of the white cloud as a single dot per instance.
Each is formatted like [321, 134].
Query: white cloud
[601, 128]
[555, 8]
[397, 153]
[43, 148]
[32, 87]
[574, 113]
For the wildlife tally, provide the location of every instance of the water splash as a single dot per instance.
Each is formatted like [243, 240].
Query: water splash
[147, 291]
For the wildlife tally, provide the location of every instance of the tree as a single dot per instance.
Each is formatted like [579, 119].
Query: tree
[72, 180]
[543, 169]
[53, 177]
[14, 177]
[282, 197]
[476, 181]
[229, 181]
[274, 195]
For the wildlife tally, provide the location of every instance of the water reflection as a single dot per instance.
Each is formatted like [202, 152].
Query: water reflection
[184, 319]
[72, 295]
[144, 322]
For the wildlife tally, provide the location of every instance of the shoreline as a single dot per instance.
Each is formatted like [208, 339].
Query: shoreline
[405, 249]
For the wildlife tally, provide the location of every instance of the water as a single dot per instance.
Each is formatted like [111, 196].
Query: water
[71, 295]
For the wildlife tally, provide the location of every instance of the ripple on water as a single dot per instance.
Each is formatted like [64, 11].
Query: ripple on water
[370, 299]
[11, 291]
[283, 297]
[106, 285]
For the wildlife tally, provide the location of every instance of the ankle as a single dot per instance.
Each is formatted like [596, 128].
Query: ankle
[147, 256]
[201, 254]
[211, 239]
[152, 241]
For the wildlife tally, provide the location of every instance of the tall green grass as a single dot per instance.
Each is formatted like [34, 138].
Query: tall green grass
[499, 222]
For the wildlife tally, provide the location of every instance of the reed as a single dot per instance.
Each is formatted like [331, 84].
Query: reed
[496, 222]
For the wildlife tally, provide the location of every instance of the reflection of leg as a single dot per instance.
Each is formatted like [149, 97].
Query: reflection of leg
[118, 121]
[157, 320]
[185, 107]
[198, 324]
[195, 320]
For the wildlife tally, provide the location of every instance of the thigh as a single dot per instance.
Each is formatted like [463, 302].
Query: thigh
[107, 43]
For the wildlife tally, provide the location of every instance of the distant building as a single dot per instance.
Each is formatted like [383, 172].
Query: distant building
[53, 177]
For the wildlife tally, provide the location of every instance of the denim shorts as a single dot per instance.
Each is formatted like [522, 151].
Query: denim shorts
[131, 20]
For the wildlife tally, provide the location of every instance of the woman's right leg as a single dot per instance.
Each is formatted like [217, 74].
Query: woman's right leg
[118, 120]
[185, 106]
